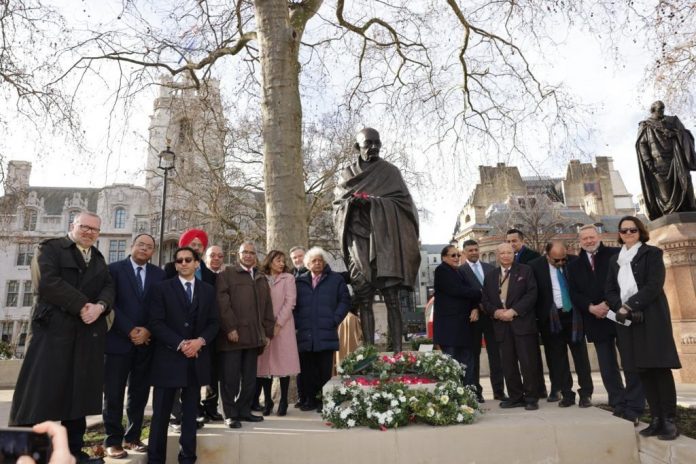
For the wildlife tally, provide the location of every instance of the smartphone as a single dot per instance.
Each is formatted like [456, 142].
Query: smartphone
[16, 442]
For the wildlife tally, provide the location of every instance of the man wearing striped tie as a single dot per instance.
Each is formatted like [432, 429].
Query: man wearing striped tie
[474, 271]
[128, 349]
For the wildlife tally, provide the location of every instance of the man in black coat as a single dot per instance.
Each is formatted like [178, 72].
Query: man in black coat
[184, 323]
[456, 307]
[128, 350]
[62, 375]
[587, 278]
[475, 271]
[560, 325]
[509, 294]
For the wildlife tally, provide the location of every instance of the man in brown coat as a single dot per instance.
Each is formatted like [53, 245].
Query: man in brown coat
[246, 327]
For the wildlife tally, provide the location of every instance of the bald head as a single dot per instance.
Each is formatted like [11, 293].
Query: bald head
[505, 254]
[368, 144]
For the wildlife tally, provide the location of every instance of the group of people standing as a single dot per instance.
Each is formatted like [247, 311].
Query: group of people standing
[97, 328]
[612, 297]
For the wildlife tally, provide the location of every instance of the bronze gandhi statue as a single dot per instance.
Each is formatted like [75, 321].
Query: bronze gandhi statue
[377, 223]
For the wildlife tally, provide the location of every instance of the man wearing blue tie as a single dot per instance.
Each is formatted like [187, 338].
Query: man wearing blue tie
[561, 326]
[184, 324]
[128, 351]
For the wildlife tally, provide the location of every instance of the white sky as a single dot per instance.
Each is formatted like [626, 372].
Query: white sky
[614, 89]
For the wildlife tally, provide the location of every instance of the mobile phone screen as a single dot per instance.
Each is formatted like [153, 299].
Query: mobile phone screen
[16, 442]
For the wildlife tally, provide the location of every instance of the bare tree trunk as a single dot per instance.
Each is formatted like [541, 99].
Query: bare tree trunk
[281, 108]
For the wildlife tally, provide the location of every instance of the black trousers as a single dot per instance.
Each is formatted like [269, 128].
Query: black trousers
[660, 391]
[628, 400]
[76, 434]
[557, 345]
[316, 371]
[519, 353]
[463, 355]
[120, 369]
[483, 328]
[209, 403]
[238, 369]
[162, 402]
[548, 343]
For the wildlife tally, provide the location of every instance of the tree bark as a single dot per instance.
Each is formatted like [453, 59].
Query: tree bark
[286, 219]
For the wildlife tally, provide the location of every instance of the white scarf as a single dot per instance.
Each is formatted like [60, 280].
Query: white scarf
[627, 283]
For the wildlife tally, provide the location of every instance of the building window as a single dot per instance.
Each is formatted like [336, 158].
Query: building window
[12, 293]
[27, 294]
[120, 218]
[7, 331]
[25, 253]
[600, 227]
[30, 216]
[71, 217]
[117, 250]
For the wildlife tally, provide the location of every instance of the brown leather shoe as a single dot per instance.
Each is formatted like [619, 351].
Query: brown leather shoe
[116, 452]
[137, 446]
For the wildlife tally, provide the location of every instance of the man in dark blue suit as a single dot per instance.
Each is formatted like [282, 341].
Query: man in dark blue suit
[587, 277]
[184, 323]
[128, 353]
[475, 271]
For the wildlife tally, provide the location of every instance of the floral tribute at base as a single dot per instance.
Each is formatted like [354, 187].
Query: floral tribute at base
[381, 391]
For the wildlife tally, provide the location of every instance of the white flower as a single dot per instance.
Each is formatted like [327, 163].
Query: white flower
[460, 391]
[339, 369]
[444, 399]
[402, 399]
[460, 418]
[344, 414]
[431, 412]
[393, 403]
[359, 357]
[351, 423]
[467, 409]
[342, 390]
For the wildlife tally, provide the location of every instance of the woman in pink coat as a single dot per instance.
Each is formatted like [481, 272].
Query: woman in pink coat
[280, 357]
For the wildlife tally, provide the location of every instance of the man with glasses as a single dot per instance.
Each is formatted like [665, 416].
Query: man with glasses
[62, 375]
[561, 326]
[128, 348]
[215, 259]
[246, 325]
[184, 323]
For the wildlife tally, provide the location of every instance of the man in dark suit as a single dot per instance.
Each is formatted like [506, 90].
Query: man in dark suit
[184, 323]
[509, 294]
[560, 325]
[128, 353]
[297, 256]
[587, 277]
[475, 271]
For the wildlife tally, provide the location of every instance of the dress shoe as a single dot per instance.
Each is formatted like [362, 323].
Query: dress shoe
[137, 446]
[116, 452]
[566, 402]
[500, 396]
[298, 405]
[282, 408]
[585, 402]
[669, 430]
[233, 423]
[308, 407]
[653, 429]
[200, 422]
[256, 407]
[174, 427]
[553, 397]
[250, 418]
[507, 404]
[531, 406]
[268, 409]
[213, 416]
[480, 399]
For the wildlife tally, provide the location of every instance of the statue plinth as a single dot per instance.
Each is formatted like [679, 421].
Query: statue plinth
[675, 234]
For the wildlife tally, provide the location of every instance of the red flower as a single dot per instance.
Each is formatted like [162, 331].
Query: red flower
[382, 428]
[361, 195]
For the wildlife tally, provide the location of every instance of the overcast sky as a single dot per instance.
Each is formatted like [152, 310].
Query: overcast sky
[614, 89]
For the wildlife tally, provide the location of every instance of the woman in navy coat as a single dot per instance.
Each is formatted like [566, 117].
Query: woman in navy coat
[322, 303]
[456, 304]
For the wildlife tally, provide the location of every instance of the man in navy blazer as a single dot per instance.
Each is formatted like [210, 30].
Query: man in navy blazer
[128, 352]
[475, 271]
[509, 295]
[184, 324]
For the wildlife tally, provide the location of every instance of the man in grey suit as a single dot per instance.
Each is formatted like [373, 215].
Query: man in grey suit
[475, 271]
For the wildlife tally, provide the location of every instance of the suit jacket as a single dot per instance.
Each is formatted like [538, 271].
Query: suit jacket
[454, 300]
[469, 273]
[207, 275]
[129, 304]
[587, 287]
[172, 320]
[521, 296]
[542, 274]
[526, 255]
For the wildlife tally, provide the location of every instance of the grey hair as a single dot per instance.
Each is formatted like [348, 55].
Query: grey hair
[314, 251]
[588, 227]
[295, 248]
[84, 212]
[247, 242]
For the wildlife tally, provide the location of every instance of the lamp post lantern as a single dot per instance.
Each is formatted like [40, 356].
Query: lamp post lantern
[166, 164]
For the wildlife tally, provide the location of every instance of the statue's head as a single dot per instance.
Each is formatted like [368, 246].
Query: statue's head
[657, 109]
[367, 143]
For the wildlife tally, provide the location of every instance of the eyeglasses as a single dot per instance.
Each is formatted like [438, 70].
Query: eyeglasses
[182, 260]
[84, 228]
[629, 230]
[454, 255]
[217, 255]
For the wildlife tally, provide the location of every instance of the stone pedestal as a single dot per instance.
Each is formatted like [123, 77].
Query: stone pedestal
[675, 234]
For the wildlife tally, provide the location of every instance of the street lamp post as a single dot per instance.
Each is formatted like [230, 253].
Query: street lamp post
[166, 164]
